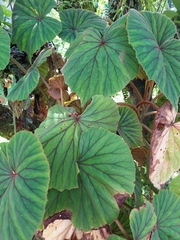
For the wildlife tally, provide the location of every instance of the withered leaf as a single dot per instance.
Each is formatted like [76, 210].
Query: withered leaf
[165, 146]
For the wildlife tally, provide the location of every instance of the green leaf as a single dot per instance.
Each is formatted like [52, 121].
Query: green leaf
[170, 14]
[88, 58]
[106, 167]
[1, 13]
[23, 186]
[25, 85]
[102, 112]
[176, 4]
[31, 26]
[114, 237]
[167, 208]
[124, 220]
[60, 133]
[142, 221]
[4, 48]
[6, 11]
[157, 50]
[129, 127]
[42, 57]
[75, 21]
[174, 185]
[138, 189]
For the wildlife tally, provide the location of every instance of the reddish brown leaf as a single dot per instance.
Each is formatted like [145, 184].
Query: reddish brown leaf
[165, 146]
[140, 155]
[57, 87]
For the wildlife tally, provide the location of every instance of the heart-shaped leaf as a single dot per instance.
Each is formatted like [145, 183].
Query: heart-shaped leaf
[75, 21]
[142, 221]
[165, 146]
[89, 57]
[31, 26]
[60, 133]
[4, 48]
[24, 182]
[25, 85]
[167, 208]
[106, 168]
[129, 127]
[157, 50]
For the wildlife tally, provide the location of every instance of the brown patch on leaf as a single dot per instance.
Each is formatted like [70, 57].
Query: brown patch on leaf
[121, 198]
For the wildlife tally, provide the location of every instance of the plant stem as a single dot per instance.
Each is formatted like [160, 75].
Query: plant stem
[145, 127]
[158, 96]
[148, 102]
[43, 80]
[122, 229]
[136, 91]
[18, 65]
[150, 113]
[14, 121]
[129, 105]
[62, 101]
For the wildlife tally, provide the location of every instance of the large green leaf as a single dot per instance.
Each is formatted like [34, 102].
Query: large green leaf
[106, 168]
[60, 133]
[31, 26]
[4, 48]
[25, 85]
[78, 20]
[129, 127]
[142, 221]
[102, 64]
[23, 186]
[138, 189]
[167, 208]
[157, 50]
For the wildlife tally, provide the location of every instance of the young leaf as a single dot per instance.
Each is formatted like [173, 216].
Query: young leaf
[167, 208]
[91, 55]
[25, 85]
[174, 185]
[157, 50]
[31, 27]
[4, 48]
[129, 127]
[165, 146]
[142, 221]
[60, 133]
[24, 182]
[75, 21]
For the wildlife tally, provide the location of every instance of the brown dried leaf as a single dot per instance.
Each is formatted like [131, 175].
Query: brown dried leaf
[57, 60]
[140, 155]
[165, 146]
[57, 85]
[63, 229]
